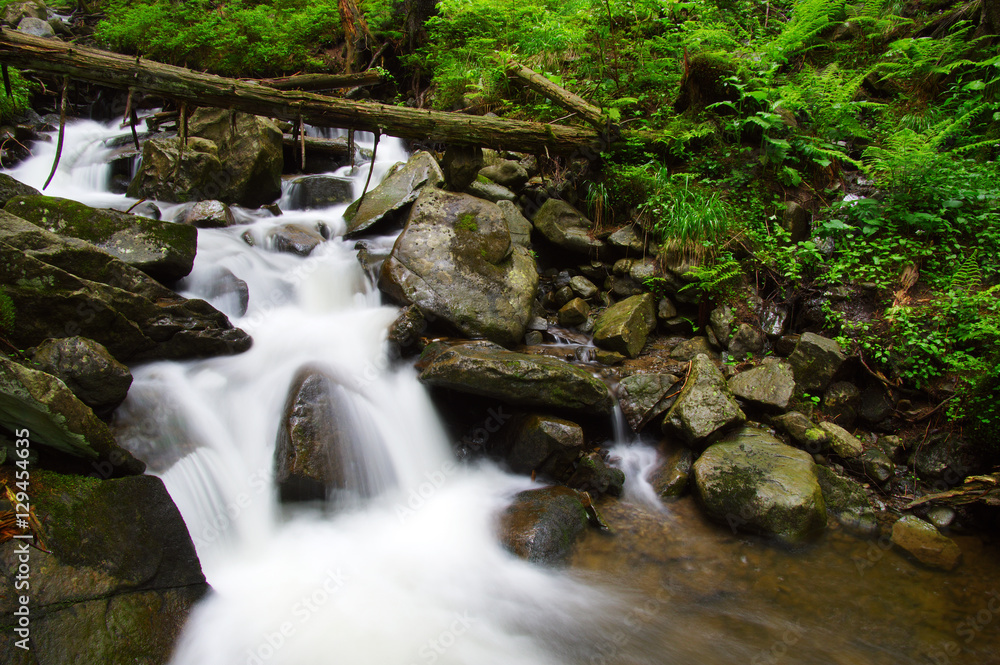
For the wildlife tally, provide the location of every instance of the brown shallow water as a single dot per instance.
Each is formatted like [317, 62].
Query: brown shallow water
[698, 593]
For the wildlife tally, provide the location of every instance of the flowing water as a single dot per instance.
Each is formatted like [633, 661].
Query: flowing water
[414, 573]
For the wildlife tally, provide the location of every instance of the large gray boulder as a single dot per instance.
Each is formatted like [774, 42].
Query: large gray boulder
[119, 577]
[39, 402]
[315, 454]
[923, 542]
[162, 250]
[542, 525]
[310, 192]
[386, 203]
[35, 27]
[643, 397]
[767, 386]
[230, 156]
[624, 326]
[293, 239]
[455, 260]
[61, 287]
[507, 173]
[705, 409]
[751, 480]
[14, 12]
[87, 369]
[518, 378]
[564, 226]
[815, 361]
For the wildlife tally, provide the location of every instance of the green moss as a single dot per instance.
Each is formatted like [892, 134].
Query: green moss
[467, 222]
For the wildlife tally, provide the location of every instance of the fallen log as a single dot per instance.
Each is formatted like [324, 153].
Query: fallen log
[336, 147]
[314, 82]
[558, 95]
[122, 71]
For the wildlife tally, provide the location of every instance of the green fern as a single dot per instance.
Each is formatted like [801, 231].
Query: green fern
[968, 277]
[718, 278]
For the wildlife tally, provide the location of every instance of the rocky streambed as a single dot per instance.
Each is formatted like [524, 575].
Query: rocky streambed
[769, 521]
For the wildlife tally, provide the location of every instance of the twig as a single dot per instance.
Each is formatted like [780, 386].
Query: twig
[135, 205]
[62, 131]
[371, 168]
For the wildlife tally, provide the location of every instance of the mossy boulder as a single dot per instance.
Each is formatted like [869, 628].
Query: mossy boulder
[842, 442]
[565, 226]
[767, 386]
[751, 480]
[162, 250]
[455, 260]
[670, 479]
[542, 525]
[815, 361]
[39, 402]
[925, 543]
[118, 581]
[518, 378]
[9, 188]
[643, 397]
[705, 409]
[807, 434]
[847, 502]
[62, 287]
[519, 227]
[171, 171]
[507, 173]
[387, 203]
[594, 475]
[313, 192]
[87, 369]
[624, 326]
[543, 445]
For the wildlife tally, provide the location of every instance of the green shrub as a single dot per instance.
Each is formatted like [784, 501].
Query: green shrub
[11, 107]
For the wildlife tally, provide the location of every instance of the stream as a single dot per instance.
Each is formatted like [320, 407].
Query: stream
[410, 570]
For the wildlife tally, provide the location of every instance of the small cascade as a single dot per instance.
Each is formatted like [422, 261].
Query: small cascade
[638, 459]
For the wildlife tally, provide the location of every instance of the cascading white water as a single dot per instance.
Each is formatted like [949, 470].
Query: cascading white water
[414, 575]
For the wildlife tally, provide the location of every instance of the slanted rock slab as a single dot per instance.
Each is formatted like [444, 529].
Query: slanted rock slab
[705, 409]
[624, 326]
[387, 202]
[564, 226]
[768, 386]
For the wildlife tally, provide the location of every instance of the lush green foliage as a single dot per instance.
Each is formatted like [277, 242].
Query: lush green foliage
[240, 38]
[10, 107]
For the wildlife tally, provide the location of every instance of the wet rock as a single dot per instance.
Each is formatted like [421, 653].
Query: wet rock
[643, 397]
[147, 209]
[751, 480]
[925, 543]
[315, 455]
[490, 191]
[722, 321]
[574, 312]
[385, 205]
[665, 309]
[14, 12]
[803, 431]
[746, 341]
[544, 445]
[162, 250]
[120, 576]
[875, 465]
[875, 406]
[532, 338]
[62, 287]
[705, 409]
[947, 458]
[87, 369]
[815, 361]
[56, 418]
[406, 330]
[608, 357]
[9, 188]
[209, 215]
[670, 479]
[593, 475]
[461, 165]
[624, 287]
[229, 292]
[690, 348]
[455, 260]
[892, 446]
[774, 319]
[566, 227]
[841, 402]
[644, 270]
[542, 525]
[941, 516]
[624, 326]
[583, 287]
[519, 227]
[293, 239]
[842, 442]
[507, 173]
[797, 221]
[516, 378]
[767, 386]
[628, 240]
[313, 192]
[35, 27]
[847, 502]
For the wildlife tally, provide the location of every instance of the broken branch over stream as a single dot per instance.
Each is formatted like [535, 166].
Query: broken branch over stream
[186, 86]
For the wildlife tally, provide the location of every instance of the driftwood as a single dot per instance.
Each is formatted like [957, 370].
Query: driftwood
[976, 489]
[338, 147]
[558, 95]
[195, 88]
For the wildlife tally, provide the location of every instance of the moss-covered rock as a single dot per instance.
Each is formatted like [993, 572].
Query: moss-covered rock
[751, 480]
[705, 409]
[118, 581]
[807, 434]
[923, 541]
[455, 260]
[624, 326]
[39, 402]
[162, 250]
[9, 188]
[595, 476]
[847, 502]
[815, 361]
[387, 203]
[542, 525]
[518, 378]
[544, 445]
[767, 386]
[564, 226]
[670, 478]
[842, 442]
[173, 172]
[643, 397]
[87, 368]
